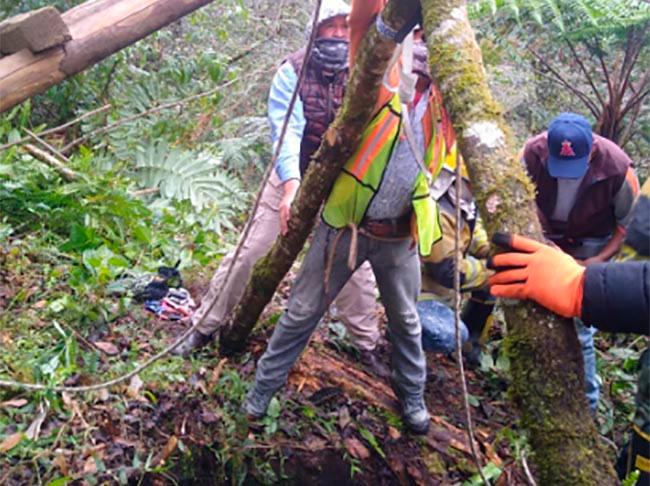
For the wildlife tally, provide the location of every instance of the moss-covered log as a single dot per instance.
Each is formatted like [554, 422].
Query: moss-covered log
[340, 141]
[546, 360]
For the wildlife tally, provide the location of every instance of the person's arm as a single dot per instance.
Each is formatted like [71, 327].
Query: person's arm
[362, 15]
[287, 165]
[616, 297]
[439, 265]
[623, 204]
[612, 296]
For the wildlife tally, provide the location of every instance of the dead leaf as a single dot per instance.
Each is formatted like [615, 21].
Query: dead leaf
[168, 450]
[10, 442]
[216, 374]
[90, 466]
[393, 433]
[135, 385]
[103, 395]
[344, 417]
[15, 403]
[34, 429]
[330, 136]
[108, 348]
[40, 304]
[356, 448]
[60, 462]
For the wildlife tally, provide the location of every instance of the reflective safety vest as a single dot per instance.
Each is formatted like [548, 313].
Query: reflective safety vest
[362, 174]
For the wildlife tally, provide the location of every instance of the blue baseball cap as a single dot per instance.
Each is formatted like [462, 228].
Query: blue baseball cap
[569, 141]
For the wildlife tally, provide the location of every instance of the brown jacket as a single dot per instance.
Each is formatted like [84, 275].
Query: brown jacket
[321, 98]
[593, 213]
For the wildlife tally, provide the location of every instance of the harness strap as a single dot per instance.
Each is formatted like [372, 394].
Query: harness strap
[398, 35]
[410, 138]
[352, 252]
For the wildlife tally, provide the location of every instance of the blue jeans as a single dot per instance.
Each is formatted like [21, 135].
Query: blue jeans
[592, 381]
[438, 330]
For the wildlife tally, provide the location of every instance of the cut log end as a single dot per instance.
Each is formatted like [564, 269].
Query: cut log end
[37, 31]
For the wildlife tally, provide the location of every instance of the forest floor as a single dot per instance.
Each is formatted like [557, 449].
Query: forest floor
[180, 423]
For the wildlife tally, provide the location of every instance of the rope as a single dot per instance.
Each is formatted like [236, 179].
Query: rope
[459, 341]
[185, 335]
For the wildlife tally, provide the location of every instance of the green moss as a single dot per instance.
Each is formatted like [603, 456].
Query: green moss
[547, 383]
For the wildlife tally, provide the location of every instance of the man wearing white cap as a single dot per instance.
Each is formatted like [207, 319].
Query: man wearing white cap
[321, 94]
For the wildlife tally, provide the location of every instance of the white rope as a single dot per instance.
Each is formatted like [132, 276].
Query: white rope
[185, 335]
[459, 341]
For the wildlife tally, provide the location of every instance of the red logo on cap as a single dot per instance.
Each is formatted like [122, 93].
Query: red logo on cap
[567, 150]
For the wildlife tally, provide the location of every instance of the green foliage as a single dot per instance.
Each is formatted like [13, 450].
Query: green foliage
[491, 472]
[575, 20]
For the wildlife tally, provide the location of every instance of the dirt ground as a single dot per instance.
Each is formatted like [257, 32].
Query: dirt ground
[335, 423]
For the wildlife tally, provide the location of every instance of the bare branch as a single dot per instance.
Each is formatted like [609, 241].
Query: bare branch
[148, 112]
[46, 145]
[67, 174]
[60, 128]
[559, 78]
[584, 70]
[145, 192]
[583, 97]
[603, 66]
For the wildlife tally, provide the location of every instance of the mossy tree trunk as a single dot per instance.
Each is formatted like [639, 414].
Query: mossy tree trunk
[546, 360]
[339, 143]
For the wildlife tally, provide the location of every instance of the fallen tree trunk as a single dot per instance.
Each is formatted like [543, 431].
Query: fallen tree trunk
[546, 359]
[98, 29]
[339, 143]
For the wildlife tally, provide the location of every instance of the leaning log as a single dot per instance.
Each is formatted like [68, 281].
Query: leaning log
[97, 29]
[545, 355]
[339, 143]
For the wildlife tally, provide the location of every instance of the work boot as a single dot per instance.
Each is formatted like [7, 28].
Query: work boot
[414, 410]
[372, 362]
[255, 404]
[415, 415]
[193, 342]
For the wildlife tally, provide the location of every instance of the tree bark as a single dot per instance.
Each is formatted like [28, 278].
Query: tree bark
[546, 360]
[339, 143]
[98, 29]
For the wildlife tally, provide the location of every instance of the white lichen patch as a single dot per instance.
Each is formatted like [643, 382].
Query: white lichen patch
[487, 134]
[492, 204]
[456, 16]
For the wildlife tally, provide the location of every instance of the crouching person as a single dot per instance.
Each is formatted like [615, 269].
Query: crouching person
[436, 299]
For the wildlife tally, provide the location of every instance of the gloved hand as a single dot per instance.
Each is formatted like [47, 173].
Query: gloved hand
[538, 272]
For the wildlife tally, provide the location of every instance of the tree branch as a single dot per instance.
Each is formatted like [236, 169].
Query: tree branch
[584, 70]
[148, 112]
[586, 100]
[60, 128]
[67, 174]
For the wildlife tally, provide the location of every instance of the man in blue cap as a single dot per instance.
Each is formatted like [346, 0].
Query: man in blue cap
[586, 188]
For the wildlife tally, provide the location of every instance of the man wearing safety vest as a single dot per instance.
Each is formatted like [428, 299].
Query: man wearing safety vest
[379, 203]
[321, 94]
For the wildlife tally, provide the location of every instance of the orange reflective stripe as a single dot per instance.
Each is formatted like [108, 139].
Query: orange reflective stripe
[437, 151]
[376, 141]
[363, 149]
[630, 177]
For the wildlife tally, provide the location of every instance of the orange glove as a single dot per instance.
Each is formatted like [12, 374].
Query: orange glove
[538, 272]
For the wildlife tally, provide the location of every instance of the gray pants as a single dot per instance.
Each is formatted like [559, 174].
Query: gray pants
[397, 269]
[356, 305]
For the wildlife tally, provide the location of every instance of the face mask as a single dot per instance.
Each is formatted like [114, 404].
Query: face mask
[421, 59]
[330, 54]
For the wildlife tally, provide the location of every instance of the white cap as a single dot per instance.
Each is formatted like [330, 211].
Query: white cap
[329, 9]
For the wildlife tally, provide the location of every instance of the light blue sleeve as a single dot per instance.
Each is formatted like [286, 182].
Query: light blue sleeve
[284, 82]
